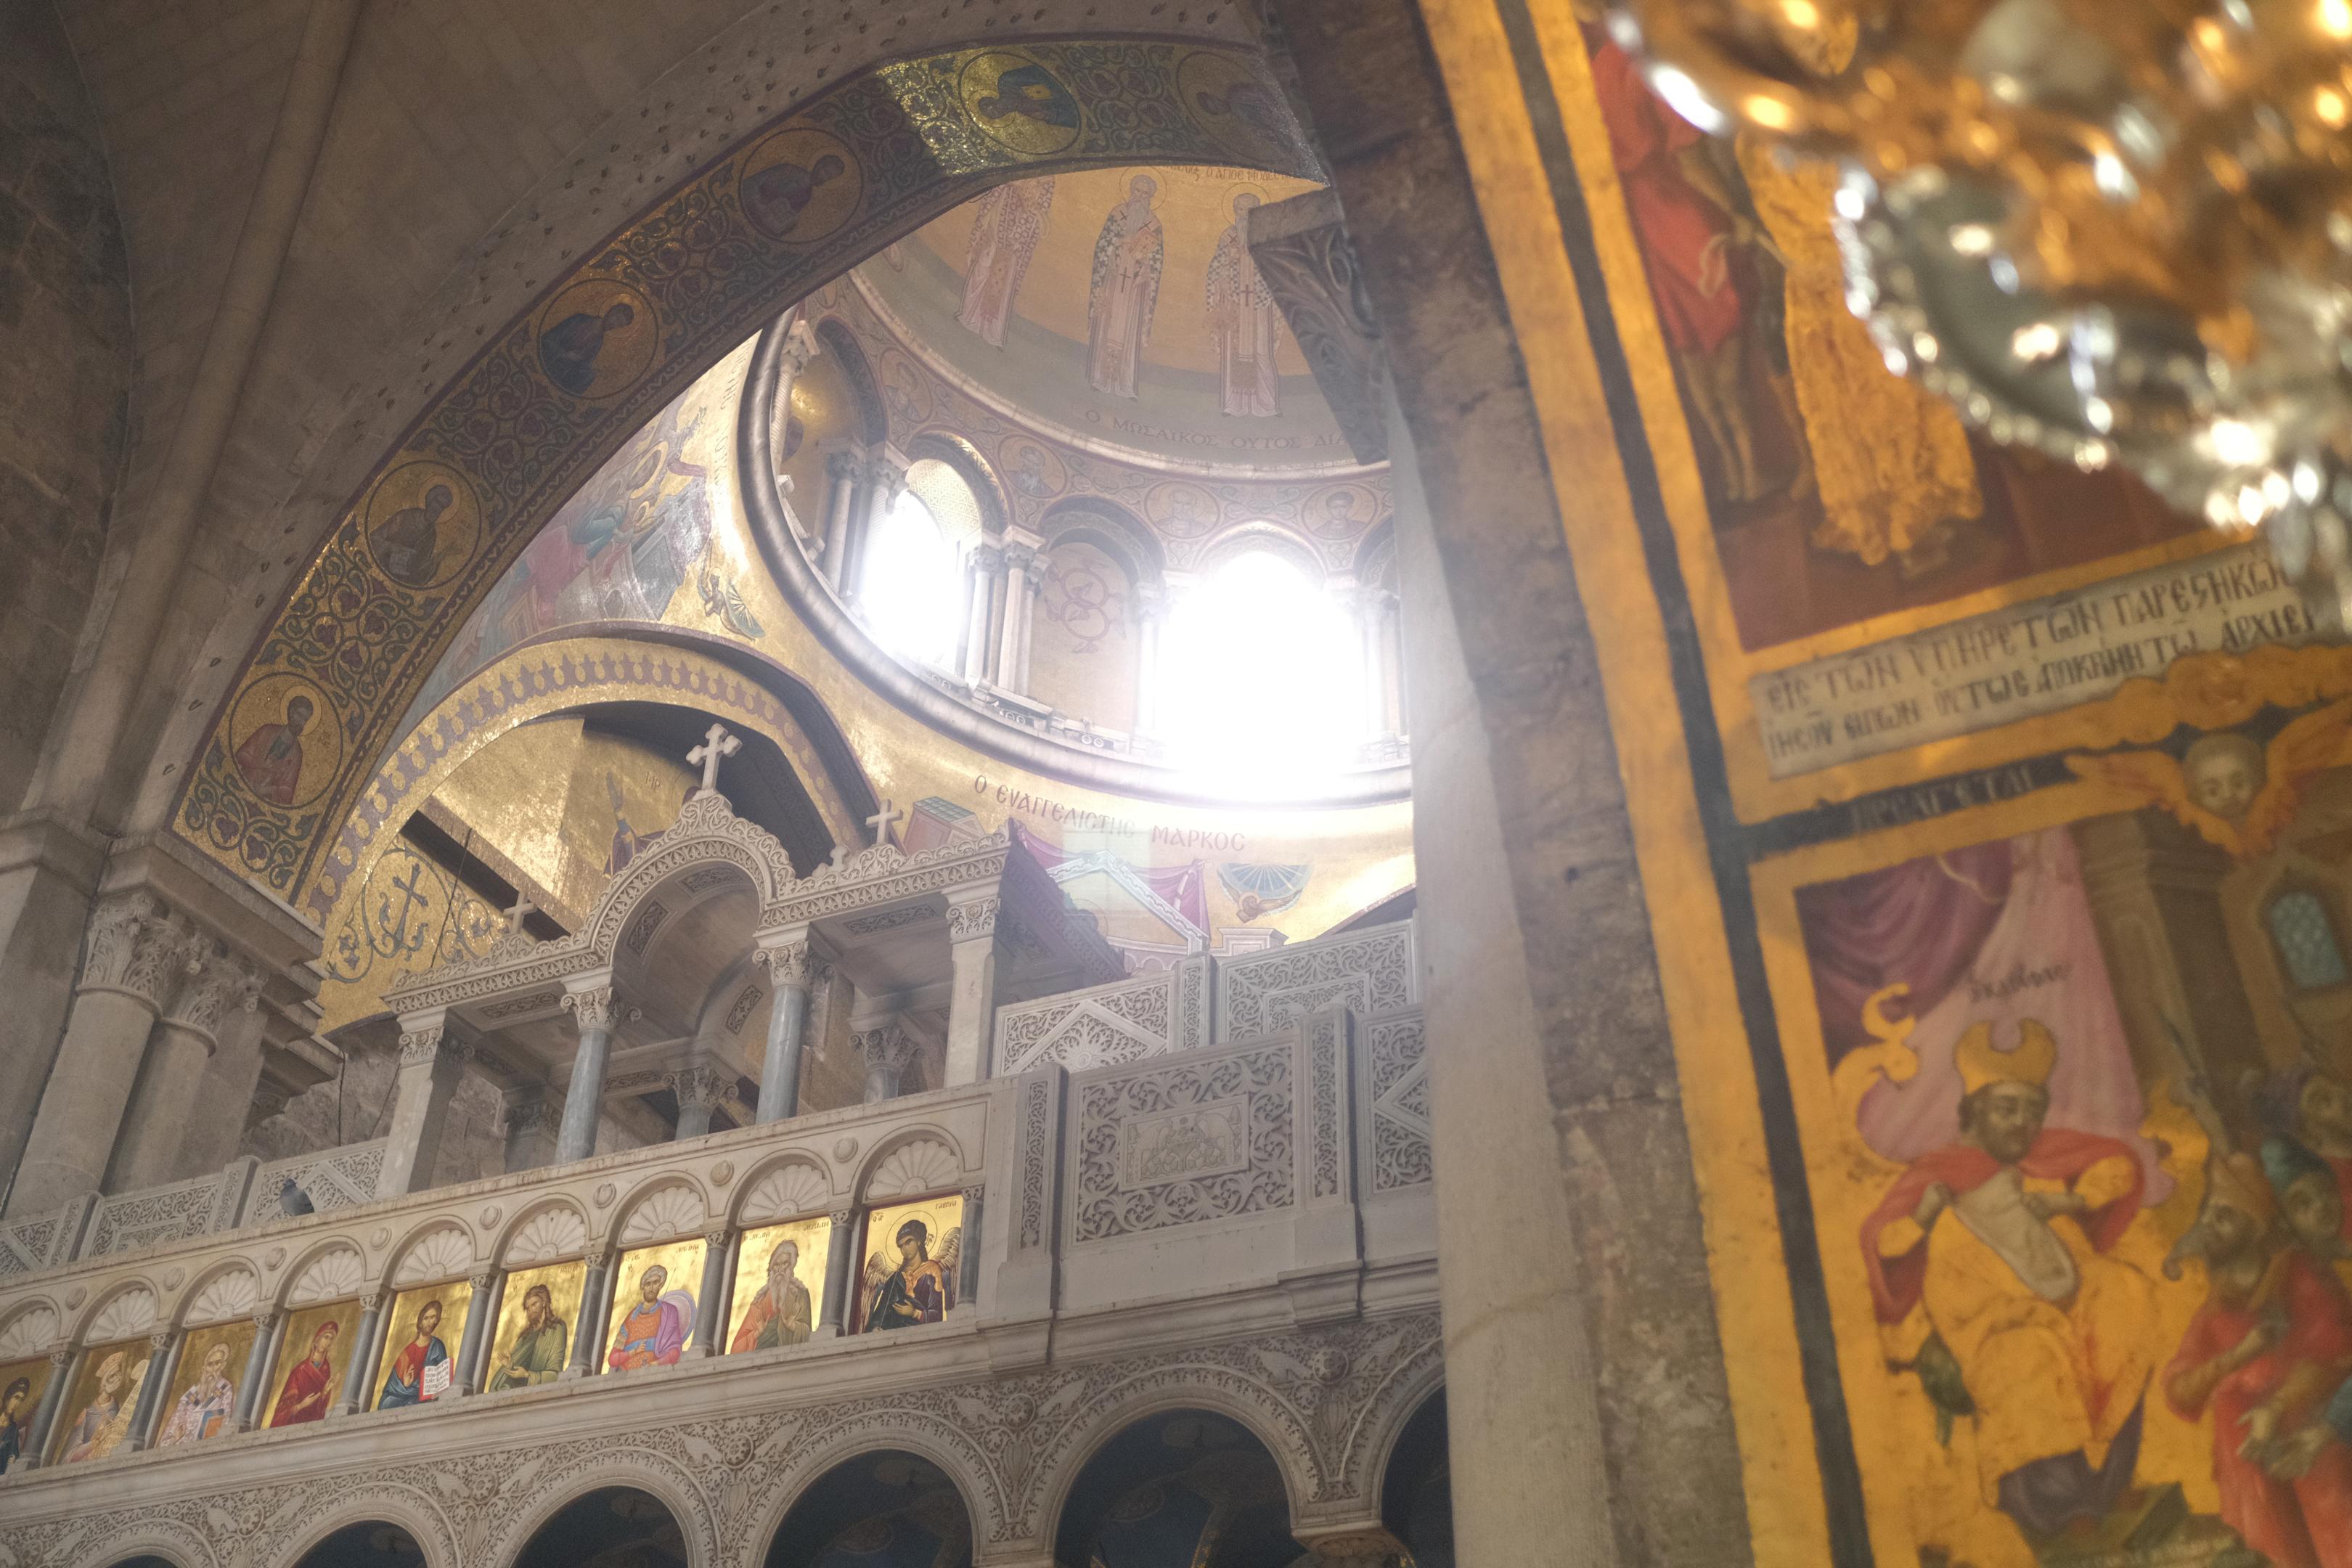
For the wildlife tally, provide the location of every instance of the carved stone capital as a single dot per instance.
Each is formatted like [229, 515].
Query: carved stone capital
[988, 559]
[973, 1195]
[1302, 252]
[160, 1341]
[432, 1044]
[59, 1360]
[264, 1320]
[531, 1111]
[482, 1281]
[1020, 557]
[137, 946]
[886, 1046]
[213, 982]
[970, 918]
[714, 1239]
[370, 1300]
[887, 479]
[788, 964]
[840, 467]
[840, 1218]
[599, 1009]
[703, 1086]
[801, 345]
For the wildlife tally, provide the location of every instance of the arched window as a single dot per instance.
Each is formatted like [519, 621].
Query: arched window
[2306, 941]
[913, 588]
[1261, 676]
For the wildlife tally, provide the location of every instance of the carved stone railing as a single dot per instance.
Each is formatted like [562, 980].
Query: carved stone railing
[1103, 1025]
[331, 1179]
[1368, 972]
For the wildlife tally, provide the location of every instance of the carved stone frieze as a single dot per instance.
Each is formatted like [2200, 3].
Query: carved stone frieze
[1368, 972]
[597, 1009]
[1249, 1091]
[136, 946]
[212, 981]
[973, 918]
[1302, 251]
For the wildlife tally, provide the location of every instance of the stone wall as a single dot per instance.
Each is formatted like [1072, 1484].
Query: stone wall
[65, 338]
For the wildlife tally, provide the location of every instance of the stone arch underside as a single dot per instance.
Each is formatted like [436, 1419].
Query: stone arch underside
[626, 327]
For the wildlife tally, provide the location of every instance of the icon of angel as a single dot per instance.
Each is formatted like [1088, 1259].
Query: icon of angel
[2234, 792]
[919, 1288]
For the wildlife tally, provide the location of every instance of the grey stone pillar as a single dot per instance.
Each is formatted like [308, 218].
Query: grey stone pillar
[65, 1365]
[162, 1358]
[971, 998]
[886, 1049]
[528, 1124]
[1012, 640]
[841, 490]
[432, 1059]
[699, 1090]
[593, 1006]
[367, 1344]
[49, 868]
[156, 1129]
[833, 1312]
[987, 566]
[710, 1310]
[968, 1266]
[879, 481]
[267, 1327]
[136, 950]
[481, 1313]
[588, 1334]
[786, 961]
[232, 1078]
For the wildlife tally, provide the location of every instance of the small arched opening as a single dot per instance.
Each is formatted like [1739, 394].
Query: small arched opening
[1417, 1490]
[882, 1509]
[1182, 1488]
[371, 1543]
[612, 1526]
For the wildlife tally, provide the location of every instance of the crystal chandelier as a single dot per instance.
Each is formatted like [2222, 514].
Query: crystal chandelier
[2117, 231]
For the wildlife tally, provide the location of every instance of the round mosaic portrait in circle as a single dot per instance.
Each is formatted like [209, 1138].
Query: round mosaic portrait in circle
[422, 524]
[283, 740]
[1018, 104]
[1179, 511]
[800, 185]
[1238, 112]
[1031, 470]
[597, 338]
[1340, 511]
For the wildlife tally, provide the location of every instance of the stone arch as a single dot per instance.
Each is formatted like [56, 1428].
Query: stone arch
[357, 1277]
[707, 840]
[638, 1470]
[30, 1327]
[172, 1539]
[652, 1199]
[904, 1431]
[955, 1171]
[1262, 533]
[220, 1281]
[782, 1167]
[849, 356]
[412, 1509]
[114, 1310]
[1409, 1386]
[544, 1223]
[432, 1245]
[1375, 561]
[987, 489]
[700, 304]
[1113, 1410]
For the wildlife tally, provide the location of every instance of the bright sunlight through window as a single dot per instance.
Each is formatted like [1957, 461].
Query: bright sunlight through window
[1263, 678]
[913, 589]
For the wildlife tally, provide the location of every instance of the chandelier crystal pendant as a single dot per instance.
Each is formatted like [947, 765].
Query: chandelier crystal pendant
[2115, 231]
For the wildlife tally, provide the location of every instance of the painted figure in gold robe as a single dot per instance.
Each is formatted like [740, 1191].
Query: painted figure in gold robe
[2002, 1241]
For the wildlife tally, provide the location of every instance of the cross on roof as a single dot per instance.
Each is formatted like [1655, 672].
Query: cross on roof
[881, 821]
[522, 906]
[716, 743]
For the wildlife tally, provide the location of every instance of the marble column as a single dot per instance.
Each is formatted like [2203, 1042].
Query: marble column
[786, 959]
[136, 950]
[699, 1089]
[973, 914]
[433, 1057]
[65, 1366]
[968, 1266]
[481, 1312]
[1151, 609]
[367, 1346]
[1036, 591]
[162, 1360]
[987, 567]
[156, 1128]
[588, 1330]
[257, 1362]
[1370, 610]
[841, 490]
[1012, 639]
[886, 1047]
[233, 1078]
[833, 1312]
[593, 1006]
[710, 1311]
[532, 1112]
[879, 481]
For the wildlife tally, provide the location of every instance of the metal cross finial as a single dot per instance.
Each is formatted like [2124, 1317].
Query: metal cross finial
[881, 821]
[716, 743]
[522, 906]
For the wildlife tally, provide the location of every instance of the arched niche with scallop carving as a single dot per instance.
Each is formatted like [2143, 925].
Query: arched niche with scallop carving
[671, 1209]
[792, 1189]
[119, 1315]
[229, 1293]
[444, 1251]
[28, 1332]
[330, 1274]
[548, 1234]
[920, 1162]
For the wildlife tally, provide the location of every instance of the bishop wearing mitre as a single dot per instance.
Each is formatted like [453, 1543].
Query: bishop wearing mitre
[2002, 1242]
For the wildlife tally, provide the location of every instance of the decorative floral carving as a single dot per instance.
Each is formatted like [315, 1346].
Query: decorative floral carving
[1036, 1143]
[1107, 1026]
[788, 1192]
[972, 918]
[596, 1008]
[1103, 1206]
[443, 1253]
[28, 1332]
[225, 1295]
[1398, 1082]
[334, 1178]
[559, 1231]
[124, 1314]
[673, 1209]
[332, 1275]
[1368, 972]
[150, 1214]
